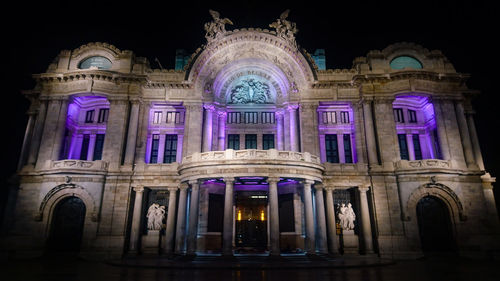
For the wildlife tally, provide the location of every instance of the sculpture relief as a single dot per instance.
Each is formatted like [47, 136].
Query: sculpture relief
[216, 28]
[250, 91]
[156, 214]
[285, 28]
[346, 216]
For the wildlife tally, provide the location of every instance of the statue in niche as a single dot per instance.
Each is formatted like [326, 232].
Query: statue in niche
[346, 216]
[217, 27]
[250, 91]
[285, 28]
[156, 214]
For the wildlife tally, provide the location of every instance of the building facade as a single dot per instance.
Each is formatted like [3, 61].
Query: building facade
[251, 145]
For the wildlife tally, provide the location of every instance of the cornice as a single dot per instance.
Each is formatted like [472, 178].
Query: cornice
[414, 74]
[102, 75]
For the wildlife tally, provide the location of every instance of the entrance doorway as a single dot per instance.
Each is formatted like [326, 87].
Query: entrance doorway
[251, 220]
[67, 225]
[434, 225]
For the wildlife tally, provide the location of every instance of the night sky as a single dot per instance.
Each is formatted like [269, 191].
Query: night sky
[36, 33]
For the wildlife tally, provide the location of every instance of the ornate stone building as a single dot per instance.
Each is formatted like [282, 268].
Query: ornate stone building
[251, 145]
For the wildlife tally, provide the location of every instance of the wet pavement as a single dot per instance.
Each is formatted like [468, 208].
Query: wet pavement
[432, 268]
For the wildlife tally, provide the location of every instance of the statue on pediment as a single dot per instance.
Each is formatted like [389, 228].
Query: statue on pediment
[217, 27]
[285, 28]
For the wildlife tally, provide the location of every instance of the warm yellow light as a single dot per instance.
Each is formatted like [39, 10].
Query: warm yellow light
[262, 218]
[239, 215]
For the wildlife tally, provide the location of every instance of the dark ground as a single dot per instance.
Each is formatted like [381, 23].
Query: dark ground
[437, 268]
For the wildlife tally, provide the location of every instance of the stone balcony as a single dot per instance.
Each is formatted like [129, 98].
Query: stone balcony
[251, 162]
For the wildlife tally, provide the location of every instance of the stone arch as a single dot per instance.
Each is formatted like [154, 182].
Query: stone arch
[106, 50]
[246, 45]
[62, 191]
[440, 191]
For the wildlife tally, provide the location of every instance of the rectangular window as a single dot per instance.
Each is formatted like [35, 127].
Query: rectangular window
[251, 118]
[412, 116]
[268, 118]
[89, 116]
[416, 147]
[170, 154]
[103, 115]
[329, 117]
[85, 147]
[403, 147]
[155, 143]
[173, 117]
[234, 117]
[347, 148]
[233, 142]
[331, 148]
[99, 145]
[267, 141]
[250, 141]
[344, 117]
[157, 117]
[398, 115]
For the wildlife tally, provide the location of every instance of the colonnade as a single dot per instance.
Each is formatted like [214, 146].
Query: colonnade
[320, 221]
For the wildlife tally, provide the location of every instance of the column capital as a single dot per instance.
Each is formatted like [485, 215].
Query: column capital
[329, 188]
[138, 188]
[172, 189]
[209, 106]
[273, 179]
[193, 182]
[229, 179]
[221, 114]
[293, 106]
[363, 189]
[319, 186]
[279, 112]
[183, 186]
[308, 182]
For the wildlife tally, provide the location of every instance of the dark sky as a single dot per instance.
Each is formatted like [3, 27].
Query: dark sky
[463, 31]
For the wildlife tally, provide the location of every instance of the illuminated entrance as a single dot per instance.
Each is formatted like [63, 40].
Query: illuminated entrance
[251, 220]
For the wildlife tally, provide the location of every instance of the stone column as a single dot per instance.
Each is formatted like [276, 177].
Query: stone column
[180, 234]
[227, 232]
[90, 154]
[61, 127]
[441, 130]
[26, 141]
[280, 135]
[193, 218]
[274, 216]
[410, 146]
[358, 142]
[136, 220]
[115, 133]
[309, 128]
[132, 133]
[321, 220]
[294, 134]
[332, 223]
[371, 145]
[475, 141]
[168, 247]
[365, 220]
[465, 136]
[221, 142]
[208, 127]
[310, 241]
[51, 123]
[37, 133]
[193, 129]
[140, 149]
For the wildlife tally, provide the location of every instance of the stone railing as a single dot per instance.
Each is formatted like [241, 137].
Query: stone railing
[423, 164]
[78, 165]
[252, 154]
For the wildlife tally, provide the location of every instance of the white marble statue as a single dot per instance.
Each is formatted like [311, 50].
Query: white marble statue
[156, 214]
[285, 28]
[346, 216]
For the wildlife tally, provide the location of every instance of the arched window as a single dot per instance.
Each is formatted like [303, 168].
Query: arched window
[402, 62]
[98, 62]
